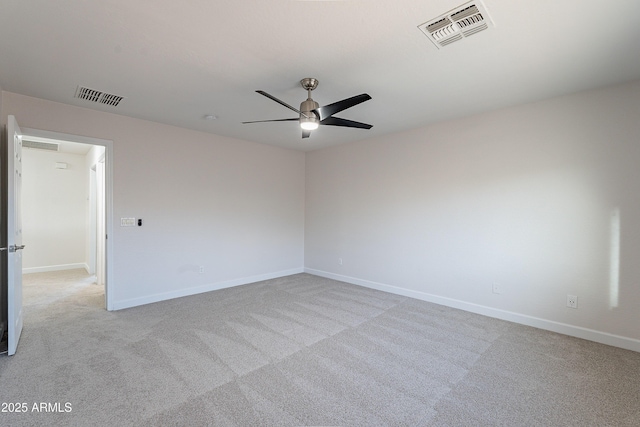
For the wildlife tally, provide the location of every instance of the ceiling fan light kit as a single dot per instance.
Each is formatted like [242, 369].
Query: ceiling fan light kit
[311, 115]
[309, 123]
[308, 119]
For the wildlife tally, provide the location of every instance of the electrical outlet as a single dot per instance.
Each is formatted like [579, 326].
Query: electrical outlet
[496, 288]
[340, 261]
[201, 269]
[572, 301]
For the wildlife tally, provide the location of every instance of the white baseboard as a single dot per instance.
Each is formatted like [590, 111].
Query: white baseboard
[523, 319]
[54, 268]
[134, 302]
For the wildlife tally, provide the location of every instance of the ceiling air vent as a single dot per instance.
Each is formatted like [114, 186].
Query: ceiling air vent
[39, 145]
[98, 96]
[461, 22]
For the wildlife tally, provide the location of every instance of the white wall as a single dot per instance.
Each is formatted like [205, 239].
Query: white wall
[232, 206]
[54, 211]
[522, 197]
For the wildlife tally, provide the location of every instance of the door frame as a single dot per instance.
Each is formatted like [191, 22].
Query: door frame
[108, 209]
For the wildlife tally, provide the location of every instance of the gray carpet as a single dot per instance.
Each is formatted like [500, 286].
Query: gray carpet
[301, 351]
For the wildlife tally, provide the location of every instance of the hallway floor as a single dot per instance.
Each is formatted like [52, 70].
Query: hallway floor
[41, 289]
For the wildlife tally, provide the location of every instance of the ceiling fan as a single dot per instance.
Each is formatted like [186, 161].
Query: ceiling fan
[312, 115]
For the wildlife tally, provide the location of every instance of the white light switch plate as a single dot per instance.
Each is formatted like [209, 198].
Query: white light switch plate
[127, 222]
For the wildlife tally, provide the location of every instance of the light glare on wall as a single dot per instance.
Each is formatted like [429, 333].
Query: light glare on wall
[614, 258]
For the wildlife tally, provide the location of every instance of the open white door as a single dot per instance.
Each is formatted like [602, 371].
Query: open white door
[14, 234]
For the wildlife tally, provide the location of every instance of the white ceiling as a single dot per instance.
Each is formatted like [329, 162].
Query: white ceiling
[178, 61]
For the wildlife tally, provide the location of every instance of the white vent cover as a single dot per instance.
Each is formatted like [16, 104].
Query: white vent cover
[40, 145]
[461, 22]
[98, 96]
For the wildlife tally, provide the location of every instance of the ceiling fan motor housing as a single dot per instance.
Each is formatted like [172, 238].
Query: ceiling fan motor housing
[307, 114]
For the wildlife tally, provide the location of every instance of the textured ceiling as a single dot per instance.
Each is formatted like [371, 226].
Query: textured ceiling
[176, 62]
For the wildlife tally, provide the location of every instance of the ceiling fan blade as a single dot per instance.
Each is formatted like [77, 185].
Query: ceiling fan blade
[306, 133]
[337, 121]
[261, 92]
[336, 107]
[276, 120]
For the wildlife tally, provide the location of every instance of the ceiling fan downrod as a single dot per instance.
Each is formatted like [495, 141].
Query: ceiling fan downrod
[309, 84]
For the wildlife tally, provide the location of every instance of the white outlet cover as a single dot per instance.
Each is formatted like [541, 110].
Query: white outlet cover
[572, 301]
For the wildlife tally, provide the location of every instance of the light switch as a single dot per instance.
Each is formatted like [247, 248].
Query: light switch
[127, 222]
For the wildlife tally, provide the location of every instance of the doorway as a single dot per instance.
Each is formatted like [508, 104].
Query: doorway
[73, 234]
